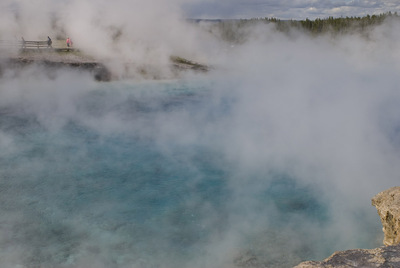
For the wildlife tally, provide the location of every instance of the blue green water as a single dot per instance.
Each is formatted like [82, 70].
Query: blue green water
[128, 174]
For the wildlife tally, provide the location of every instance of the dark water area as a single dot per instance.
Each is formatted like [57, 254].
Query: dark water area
[127, 174]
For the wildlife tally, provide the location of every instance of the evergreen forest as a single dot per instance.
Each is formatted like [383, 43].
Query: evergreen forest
[238, 30]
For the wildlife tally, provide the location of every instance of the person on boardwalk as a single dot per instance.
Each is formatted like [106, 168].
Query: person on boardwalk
[23, 42]
[49, 42]
[69, 42]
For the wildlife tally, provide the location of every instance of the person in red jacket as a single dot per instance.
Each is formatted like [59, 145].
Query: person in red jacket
[69, 42]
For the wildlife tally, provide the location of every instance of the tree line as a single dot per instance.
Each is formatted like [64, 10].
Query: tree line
[238, 30]
[334, 25]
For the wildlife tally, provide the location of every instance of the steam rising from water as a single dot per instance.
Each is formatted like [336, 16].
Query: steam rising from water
[270, 159]
[121, 33]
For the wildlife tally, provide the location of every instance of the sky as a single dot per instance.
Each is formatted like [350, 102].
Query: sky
[237, 9]
[287, 9]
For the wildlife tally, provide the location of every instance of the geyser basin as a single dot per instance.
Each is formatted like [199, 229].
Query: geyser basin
[127, 174]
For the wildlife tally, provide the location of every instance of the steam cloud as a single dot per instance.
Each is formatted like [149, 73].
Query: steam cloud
[118, 33]
[320, 114]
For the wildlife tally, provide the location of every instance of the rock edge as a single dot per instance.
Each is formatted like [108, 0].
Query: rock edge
[387, 204]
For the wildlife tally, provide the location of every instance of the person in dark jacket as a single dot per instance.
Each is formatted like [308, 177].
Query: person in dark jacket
[49, 42]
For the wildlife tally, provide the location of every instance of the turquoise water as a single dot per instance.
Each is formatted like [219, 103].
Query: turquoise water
[129, 174]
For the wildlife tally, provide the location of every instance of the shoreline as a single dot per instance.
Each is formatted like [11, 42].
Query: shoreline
[99, 70]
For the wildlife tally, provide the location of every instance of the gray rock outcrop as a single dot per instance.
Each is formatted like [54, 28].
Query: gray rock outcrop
[387, 204]
[383, 257]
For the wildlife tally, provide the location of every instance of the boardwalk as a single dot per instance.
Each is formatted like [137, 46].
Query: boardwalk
[29, 45]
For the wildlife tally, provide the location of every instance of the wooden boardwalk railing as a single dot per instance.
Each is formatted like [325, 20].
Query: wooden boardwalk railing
[32, 45]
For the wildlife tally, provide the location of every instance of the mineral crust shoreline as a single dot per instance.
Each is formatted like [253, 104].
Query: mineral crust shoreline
[99, 70]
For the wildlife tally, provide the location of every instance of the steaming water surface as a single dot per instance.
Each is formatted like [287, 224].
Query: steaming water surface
[269, 159]
[130, 174]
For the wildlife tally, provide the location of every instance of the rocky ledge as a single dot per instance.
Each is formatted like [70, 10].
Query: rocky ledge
[100, 71]
[388, 205]
[383, 257]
